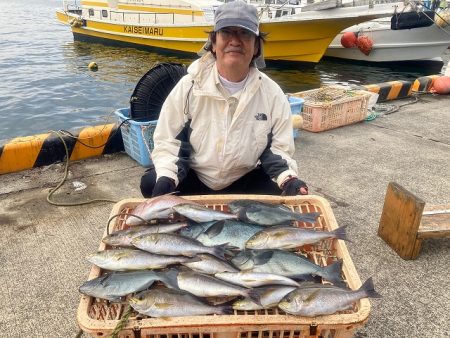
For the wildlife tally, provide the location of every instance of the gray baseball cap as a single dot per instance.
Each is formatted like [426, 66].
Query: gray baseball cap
[237, 14]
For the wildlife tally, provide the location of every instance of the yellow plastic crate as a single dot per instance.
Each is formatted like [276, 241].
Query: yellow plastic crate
[331, 107]
[99, 317]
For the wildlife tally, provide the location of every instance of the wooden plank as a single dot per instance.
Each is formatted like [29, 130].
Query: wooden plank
[434, 226]
[400, 220]
[435, 221]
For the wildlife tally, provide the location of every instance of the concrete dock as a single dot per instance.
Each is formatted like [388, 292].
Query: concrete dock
[43, 246]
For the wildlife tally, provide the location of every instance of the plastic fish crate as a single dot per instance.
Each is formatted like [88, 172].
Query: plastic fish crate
[99, 317]
[337, 107]
[137, 137]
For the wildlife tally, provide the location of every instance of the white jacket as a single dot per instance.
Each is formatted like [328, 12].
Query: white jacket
[195, 129]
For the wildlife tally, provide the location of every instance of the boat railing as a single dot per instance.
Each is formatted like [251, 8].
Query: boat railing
[72, 6]
[142, 18]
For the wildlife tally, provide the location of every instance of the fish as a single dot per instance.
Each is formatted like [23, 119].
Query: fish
[268, 216]
[123, 237]
[250, 279]
[235, 205]
[203, 285]
[174, 303]
[229, 231]
[200, 213]
[286, 263]
[246, 304]
[321, 300]
[132, 259]
[159, 207]
[210, 265]
[174, 244]
[113, 286]
[270, 296]
[291, 237]
[194, 229]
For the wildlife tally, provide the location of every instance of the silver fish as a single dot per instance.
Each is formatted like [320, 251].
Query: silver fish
[114, 285]
[250, 279]
[272, 295]
[173, 303]
[246, 304]
[210, 265]
[235, 205]
[291, 237]
[286, 263]
[131, 259]
[123, 237]
[263, 215]
[203, 285]
[269, 297]
[322, 300]
[174, 244]
[200, 213]
[229, 231]
[155, 208]
[194, 229]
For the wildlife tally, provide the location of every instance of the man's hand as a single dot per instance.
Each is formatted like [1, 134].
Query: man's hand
[163, 186]
[294, 186]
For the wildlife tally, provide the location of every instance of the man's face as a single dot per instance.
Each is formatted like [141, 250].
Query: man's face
[234, 48]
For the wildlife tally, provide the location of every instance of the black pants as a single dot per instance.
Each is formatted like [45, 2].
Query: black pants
[256, 182]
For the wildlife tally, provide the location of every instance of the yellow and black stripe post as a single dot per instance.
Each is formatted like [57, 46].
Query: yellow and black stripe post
[38, 150]
[424, 83]
[393, 90]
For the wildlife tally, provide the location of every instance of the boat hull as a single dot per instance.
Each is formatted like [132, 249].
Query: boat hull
[417, 44]
[298, 40]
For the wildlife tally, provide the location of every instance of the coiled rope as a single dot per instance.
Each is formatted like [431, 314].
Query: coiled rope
[386, 108]
[66, 172]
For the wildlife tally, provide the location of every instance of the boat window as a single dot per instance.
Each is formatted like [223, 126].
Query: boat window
[104, 13]
[278, 13]
[91, 12]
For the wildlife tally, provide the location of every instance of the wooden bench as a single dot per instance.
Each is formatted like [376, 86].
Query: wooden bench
[406, 221]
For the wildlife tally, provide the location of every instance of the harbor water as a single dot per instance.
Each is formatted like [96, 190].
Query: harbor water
[46, 83]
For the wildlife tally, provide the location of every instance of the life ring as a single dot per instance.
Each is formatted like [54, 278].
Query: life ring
[365, 44]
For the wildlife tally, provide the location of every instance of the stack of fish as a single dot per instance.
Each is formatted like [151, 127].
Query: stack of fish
[213, 262]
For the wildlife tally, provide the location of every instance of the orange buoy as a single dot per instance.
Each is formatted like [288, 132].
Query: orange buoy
[441, 85]
[349, 39]
[364, 44]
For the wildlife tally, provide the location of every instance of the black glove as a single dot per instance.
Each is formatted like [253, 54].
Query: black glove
[292, 187]
[163, 186]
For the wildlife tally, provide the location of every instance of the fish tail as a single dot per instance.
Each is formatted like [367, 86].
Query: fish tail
[332, 273]
[255, 295]
[369, 289]
[225, 309]
[171, 280]
[220, 250]
[309, 217]
[232, 250]
[341, 233]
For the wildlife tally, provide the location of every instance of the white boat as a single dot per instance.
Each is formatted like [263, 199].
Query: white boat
[415, 44]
